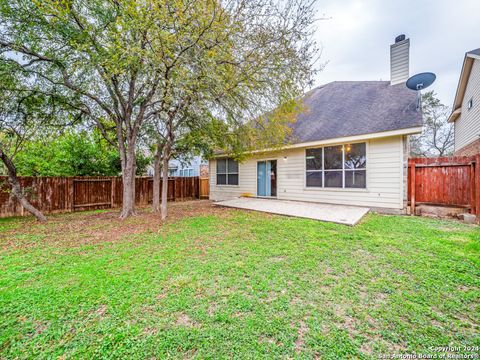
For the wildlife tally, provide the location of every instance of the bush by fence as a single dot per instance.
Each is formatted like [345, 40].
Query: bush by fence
[66, 194]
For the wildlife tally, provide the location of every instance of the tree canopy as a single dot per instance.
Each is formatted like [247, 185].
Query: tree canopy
[73, 153]
[180, 67]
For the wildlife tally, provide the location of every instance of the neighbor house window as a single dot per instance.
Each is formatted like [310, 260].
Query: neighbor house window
[470, 104]
[341, 166]
[227, 172]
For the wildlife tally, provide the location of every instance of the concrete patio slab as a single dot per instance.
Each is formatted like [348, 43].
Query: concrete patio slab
[341, 214]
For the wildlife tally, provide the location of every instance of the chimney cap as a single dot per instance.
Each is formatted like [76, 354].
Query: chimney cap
[399, 38]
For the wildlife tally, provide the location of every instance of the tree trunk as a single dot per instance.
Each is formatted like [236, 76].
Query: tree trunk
[134, 186]
[17, 191]
[157, 167]
[165, 160]
[128, 177]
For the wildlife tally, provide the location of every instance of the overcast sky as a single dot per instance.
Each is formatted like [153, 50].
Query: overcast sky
[356, 40]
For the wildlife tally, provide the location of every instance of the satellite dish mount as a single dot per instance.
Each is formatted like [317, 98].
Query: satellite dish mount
[419, 82]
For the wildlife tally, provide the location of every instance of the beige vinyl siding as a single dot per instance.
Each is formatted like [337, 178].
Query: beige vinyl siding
[384, 178]
[467, 126]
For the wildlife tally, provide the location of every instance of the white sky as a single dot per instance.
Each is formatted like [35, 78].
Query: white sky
[356, 40]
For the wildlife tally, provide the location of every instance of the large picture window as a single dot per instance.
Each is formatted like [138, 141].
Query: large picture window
[227, 172]
[340, 166]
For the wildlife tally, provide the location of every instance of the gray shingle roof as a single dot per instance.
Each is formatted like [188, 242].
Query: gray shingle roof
[347, 108]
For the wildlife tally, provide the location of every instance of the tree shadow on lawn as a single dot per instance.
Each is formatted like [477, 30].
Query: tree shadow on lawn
[95, 227]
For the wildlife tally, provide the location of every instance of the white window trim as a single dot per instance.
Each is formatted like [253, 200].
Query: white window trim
[226, 174]
[343, 188]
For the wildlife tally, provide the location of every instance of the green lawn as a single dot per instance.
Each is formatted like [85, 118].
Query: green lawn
[229, 283]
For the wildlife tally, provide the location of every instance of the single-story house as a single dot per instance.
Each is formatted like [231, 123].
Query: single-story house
[351, 147]
[466, 106]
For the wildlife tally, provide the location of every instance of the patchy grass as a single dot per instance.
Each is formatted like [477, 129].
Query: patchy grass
[216, 283]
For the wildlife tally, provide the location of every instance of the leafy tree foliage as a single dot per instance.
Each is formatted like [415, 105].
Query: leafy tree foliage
[246, 59]
[24, 112]
[72, 154]
[178, 66]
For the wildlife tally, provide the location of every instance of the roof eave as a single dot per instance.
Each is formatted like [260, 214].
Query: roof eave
[462, 82]
[455, 114]
[338, 140]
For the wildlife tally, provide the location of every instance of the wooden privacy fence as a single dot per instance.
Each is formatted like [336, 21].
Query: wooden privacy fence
[204, 188]
[445, 181]
[65, 194]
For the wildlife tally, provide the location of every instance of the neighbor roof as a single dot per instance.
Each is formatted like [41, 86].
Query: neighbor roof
[462, 82]
[347, 108]
[474, 52]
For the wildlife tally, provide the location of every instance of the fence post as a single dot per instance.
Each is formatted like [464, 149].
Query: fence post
[197, 187]
[112, 192]
[175, 189]
[67, 193]
[412, 188]
[477, 186]
[473, 207]
[71, 194]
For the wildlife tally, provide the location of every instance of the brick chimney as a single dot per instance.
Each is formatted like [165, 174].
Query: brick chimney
[399, 60]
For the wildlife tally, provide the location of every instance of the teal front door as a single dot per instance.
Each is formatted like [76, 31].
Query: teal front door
[267, 178]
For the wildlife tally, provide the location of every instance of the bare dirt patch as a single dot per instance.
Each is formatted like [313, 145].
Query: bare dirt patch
[78, 229]
[300, 342]
[101, 311]
[185, 321]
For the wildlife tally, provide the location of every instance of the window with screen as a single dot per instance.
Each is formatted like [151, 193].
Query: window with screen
[227, 172]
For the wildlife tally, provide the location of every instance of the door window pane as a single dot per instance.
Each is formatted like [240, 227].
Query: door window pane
[273, 178]
[355, 156]
[355, 179]
[261, 178]
[314, 178]
[333, 157]
[333, 178]
[314, 159]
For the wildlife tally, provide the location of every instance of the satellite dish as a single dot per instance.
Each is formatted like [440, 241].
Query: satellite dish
[421, 81]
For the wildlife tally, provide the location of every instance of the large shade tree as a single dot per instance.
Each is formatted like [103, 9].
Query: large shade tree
[97, 50]
[127, 63]
[237, 83]
[25, 112]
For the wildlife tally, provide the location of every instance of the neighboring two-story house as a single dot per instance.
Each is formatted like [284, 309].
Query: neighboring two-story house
[466, 107]
[196, 166]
